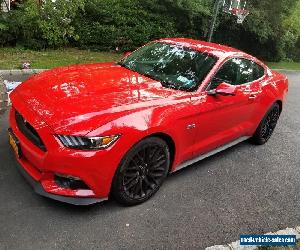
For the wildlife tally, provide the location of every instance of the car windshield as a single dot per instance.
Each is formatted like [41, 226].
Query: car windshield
[174, 66]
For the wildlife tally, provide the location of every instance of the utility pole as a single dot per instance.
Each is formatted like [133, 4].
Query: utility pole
[215, 16]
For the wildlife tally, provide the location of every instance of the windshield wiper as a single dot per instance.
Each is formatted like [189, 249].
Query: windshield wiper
[164, 83]
[121, 63]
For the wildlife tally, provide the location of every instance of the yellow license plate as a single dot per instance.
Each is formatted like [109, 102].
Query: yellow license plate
[14, 144]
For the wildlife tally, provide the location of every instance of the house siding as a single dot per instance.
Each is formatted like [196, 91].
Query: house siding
[5, 5]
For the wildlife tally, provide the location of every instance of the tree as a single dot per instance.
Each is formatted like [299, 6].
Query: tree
[56, 20]
[292, 26]
[39, 26]
[263, 33]
[111, 24]
[270, 31]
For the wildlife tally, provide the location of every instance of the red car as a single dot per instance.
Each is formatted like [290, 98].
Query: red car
[83, 133]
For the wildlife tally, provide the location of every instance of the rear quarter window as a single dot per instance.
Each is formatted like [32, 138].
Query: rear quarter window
[258, 71]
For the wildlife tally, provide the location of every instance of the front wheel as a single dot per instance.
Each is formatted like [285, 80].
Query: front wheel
[266, 127]
[141, 172]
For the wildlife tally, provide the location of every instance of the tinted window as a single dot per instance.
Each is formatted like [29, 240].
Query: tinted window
[174, 66]
[259, 71]
[237, 71]
[227, 73]
[245, 71]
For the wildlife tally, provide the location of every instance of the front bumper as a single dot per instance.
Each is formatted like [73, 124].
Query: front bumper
[38, 188]
[95, 168]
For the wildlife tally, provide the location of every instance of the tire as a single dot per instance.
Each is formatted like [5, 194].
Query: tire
[141, 172]
[267, 126]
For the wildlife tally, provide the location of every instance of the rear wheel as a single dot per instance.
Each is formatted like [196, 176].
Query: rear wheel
[141, 172]
[267, 125]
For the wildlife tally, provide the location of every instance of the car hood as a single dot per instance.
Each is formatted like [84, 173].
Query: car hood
[68, 98]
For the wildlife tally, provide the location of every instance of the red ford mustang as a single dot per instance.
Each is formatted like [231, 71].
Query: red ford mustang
[83, 133]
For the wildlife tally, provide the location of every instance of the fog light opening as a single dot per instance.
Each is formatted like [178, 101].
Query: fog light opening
[70, 182]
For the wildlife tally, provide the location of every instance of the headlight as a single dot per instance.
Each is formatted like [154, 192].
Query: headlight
[88, 143]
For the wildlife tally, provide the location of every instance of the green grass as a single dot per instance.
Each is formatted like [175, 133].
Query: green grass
[12, 58]
[284, 65]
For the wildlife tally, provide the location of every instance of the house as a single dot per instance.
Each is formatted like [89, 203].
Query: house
[5, 5]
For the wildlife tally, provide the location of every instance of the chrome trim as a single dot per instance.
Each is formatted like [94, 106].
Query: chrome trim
[191, 126]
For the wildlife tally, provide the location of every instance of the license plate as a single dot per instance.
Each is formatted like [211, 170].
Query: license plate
[15, 144]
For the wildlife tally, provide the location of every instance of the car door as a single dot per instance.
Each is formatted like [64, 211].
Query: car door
[222, 119]
[251, 77]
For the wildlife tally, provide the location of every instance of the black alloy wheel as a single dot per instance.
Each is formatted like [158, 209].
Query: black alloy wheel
[267, 125]
[142, 171]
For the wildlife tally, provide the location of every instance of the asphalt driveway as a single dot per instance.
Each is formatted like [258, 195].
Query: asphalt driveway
[245, 189]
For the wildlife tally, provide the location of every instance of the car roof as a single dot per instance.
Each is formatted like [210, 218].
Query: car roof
[211, 48]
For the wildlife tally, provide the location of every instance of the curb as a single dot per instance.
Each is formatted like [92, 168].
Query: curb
[236, 245]
[17, 72]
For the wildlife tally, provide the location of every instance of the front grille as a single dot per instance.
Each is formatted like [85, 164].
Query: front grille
[29, 132]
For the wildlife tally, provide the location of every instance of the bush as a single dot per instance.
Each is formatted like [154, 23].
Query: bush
[5, 34]
[35, 27]
[55, 21]
[294, 53]
[106, 25]
[270, 32]
[20, 26]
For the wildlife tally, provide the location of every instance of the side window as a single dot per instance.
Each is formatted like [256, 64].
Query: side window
[245, 72]
[227, 73]
[237, 71]
[259, 71]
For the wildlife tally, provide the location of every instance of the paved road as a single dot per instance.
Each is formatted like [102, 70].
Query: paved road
[246, 189]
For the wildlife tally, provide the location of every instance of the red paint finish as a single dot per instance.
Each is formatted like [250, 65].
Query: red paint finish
[106, 99]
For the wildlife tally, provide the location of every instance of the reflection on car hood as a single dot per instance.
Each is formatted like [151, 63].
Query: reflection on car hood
[68, 96]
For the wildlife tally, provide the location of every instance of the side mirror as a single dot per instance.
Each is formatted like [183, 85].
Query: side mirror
[127, 53]
[223, 89]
